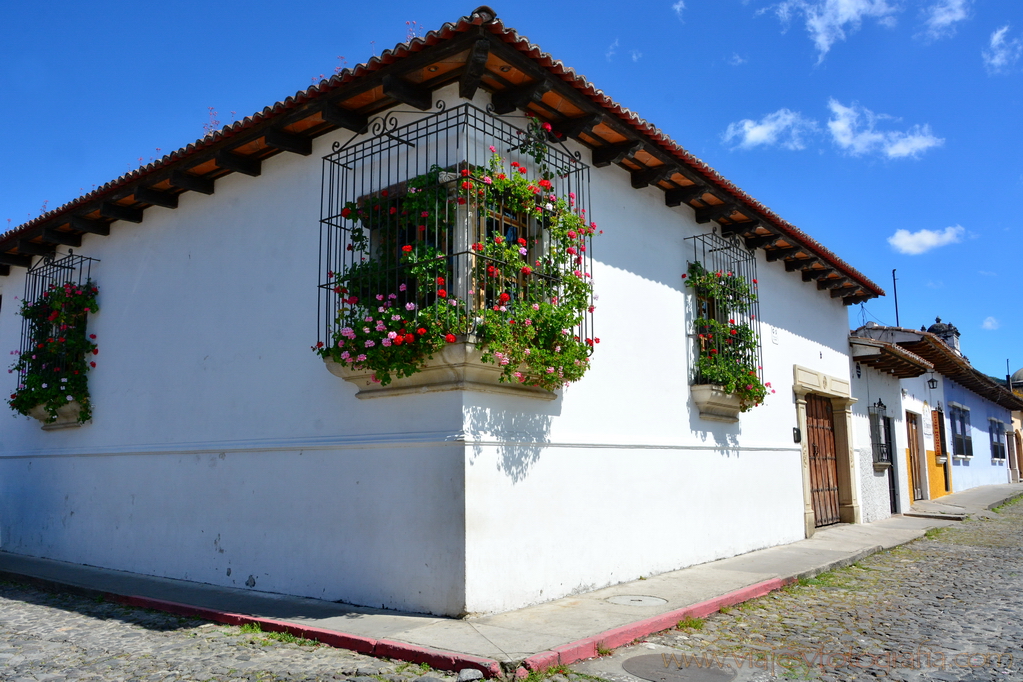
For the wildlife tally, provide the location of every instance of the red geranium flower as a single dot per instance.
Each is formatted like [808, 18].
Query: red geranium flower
[345, 212]
[421, 331]
[409, 338]
[442, 293]
[504, 298]
[522, 242]
[450, 338]
[95, 351]
[440, 281]
[407, 248]
[526, 270]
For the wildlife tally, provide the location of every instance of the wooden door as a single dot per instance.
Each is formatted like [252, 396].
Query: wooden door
[820, 426]
[915, 474]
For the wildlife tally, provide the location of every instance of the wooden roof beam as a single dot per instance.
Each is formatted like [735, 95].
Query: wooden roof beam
[114, 211]
[811, 274]
[91, 226]
[732, 229]
[155, 197]
[195, 183]
[240, 164]
[344, 118]
[574, 127]
[781, 254]
[652, 176]
[17, 260]
[803, 264]
[853, 300]
[475, 67]
[705, 215]
[761, 240]
[683, 195]
[286, 142]
[615, 153]
[841, 292]
[411, 94]
[55, 236]
[832, 283]
[33, 249]
[510, 99]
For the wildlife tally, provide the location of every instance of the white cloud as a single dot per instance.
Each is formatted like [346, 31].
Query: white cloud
[678, 7]
[784, 127]
[1003, 52]
[987, 273]
[990, 324]
[736, 60]
[611, 49]
[941, 17]
[853, 129]
[922, 241]
[827, 21]
[636, 55]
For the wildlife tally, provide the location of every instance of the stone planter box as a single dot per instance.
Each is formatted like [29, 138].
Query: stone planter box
[67, 416]
[457, 367]
[715, 404]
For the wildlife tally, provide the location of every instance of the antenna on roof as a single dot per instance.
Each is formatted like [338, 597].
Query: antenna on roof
[895, 292]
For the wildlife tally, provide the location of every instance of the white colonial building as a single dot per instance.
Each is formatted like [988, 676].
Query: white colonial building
[221, 449]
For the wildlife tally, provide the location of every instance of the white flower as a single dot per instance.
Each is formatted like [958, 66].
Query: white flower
[64, 380]
[44, 385]
[70, 398]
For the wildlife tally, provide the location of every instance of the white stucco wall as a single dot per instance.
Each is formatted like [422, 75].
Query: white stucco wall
[868, 388]
[220, 442]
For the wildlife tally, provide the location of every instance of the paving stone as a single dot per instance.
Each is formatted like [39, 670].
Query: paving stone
[945, 608]
[47, 636]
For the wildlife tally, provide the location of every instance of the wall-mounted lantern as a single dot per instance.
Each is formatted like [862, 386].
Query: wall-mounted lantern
[932, 383]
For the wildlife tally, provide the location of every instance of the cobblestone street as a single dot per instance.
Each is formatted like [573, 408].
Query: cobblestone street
[946, 607]
[45, 636]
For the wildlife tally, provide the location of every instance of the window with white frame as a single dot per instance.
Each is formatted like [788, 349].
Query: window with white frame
[997, 430]
[962, 442]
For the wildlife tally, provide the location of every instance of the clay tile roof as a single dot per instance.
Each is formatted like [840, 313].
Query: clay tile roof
[482, 19]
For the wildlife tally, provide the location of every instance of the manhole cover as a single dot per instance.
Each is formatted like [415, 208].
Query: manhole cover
[678, 667]
[637, 600]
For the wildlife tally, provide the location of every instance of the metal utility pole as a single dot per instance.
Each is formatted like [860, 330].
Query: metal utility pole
[895, 292]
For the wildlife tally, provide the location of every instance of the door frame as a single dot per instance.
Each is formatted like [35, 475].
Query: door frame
[838, 391]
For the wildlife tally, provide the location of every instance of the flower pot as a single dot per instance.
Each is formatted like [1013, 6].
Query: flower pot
[715, 404]
[67, 416]
[456, 367]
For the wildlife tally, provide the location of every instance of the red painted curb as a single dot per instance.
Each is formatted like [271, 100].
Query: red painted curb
[435, 658]
[611, 639]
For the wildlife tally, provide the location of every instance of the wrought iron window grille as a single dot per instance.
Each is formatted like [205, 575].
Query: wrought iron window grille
[880, 433]
[50, 271]
[370, 182]
[726, 255]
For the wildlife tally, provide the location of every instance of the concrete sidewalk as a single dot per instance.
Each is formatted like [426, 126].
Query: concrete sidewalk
[562, 631]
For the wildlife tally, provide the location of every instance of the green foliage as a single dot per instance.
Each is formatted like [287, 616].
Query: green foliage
[727, 344]
[690, 623]
[53, 368]
[521, 299]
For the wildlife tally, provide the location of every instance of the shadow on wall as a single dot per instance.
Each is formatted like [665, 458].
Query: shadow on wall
[519, 435]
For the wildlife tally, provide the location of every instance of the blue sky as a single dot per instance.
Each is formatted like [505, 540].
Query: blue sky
[890, 130]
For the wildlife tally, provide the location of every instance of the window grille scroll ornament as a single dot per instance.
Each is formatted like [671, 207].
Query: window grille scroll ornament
[457, 227]
[725, 331]
[56, 351]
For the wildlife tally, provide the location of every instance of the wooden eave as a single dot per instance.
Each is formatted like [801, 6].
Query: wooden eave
[888, 357]
[477, 51]
[957, 368]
